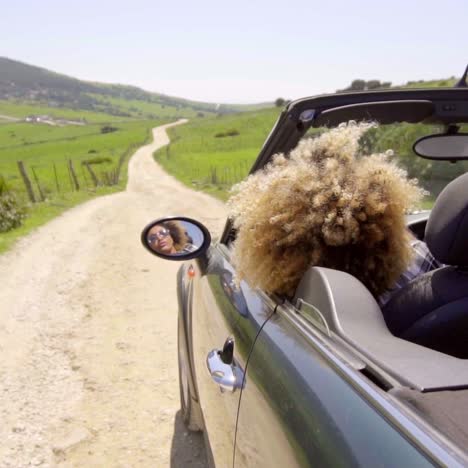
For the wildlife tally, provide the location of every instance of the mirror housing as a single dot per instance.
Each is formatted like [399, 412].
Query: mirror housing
[176, 238]
[443, 147]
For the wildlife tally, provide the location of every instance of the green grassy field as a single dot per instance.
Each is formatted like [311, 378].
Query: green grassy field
[23, 109]
[204, 162]
[47, 150]
[449, 82]
[22, 134]
[145, 109]
[42, 146]
[213, 164]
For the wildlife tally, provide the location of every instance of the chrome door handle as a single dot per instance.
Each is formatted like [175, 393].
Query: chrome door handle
[229, 377]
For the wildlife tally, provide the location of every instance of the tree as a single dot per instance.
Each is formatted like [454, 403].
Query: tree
[358, 85]
[280, 102]
[373, 84]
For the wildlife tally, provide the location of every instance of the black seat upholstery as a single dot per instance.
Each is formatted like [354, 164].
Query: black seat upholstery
[432, 310]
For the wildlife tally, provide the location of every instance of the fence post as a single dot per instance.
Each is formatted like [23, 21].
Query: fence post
[120, 164]
[84, 175]
[70, 178]
[93, 175]
[56, 179]
[115, 176]
[41, 194]
[73, 174]
[26, 181]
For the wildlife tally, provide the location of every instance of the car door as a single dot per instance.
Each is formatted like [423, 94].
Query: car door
[298, 407]
[221, 311]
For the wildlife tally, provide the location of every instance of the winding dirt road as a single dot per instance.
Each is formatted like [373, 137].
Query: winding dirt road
[88, 367]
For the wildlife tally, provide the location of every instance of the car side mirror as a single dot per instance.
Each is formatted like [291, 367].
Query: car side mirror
[176, 238]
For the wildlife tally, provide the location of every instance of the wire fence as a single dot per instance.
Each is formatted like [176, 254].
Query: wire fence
[70, 176]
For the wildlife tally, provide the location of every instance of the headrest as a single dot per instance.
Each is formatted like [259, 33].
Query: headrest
[447, 228]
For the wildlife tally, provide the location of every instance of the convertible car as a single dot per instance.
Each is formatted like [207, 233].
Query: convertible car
[321, 378]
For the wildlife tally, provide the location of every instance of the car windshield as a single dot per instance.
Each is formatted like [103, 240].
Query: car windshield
[400, 137]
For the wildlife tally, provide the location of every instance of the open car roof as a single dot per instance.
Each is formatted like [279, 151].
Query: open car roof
[413, 105]
[443, 106]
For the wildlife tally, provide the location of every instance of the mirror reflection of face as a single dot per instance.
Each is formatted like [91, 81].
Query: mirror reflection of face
[176, 238]
[160, 240]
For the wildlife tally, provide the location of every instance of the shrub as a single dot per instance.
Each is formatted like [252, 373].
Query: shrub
[227, 133]
[11, 213]
[357, 85]
[280, 102]
[97, 160]
[373, 84]
[108, 129]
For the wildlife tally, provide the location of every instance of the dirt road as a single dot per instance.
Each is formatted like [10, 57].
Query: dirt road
[88, 368]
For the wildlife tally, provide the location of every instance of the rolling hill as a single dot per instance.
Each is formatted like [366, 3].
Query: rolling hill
[37, 87]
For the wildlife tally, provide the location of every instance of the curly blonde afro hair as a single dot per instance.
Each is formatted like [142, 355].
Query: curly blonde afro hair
[325, 205]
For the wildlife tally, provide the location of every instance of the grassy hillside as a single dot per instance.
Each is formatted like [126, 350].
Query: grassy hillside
[449, 82]
[213, 154]
[23, 135]
[41, 146]
[35, 86]
[21, 110]
[46, 151]
[200, 159]
[147, 109]
[361, 85]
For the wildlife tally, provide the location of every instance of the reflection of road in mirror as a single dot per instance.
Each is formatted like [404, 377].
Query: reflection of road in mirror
[175, 237]
[188, 448]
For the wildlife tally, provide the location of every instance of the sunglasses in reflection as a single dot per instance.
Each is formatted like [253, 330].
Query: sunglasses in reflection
[158, 235]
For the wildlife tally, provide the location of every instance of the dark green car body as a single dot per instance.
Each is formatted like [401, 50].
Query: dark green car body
[311, 390]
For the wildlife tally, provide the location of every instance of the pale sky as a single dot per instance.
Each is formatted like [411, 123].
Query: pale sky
[238, 51]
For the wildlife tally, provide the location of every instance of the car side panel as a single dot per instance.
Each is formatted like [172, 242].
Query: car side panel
[184, 343]
[183, 296]
[219, 311]
[296, 410]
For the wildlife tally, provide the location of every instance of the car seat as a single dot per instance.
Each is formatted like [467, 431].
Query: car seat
[432, 310]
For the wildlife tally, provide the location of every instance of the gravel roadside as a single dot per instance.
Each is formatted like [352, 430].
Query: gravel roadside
[88, 375]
